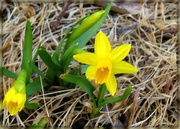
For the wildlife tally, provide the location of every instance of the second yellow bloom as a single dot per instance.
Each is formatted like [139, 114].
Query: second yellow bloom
[104, 62]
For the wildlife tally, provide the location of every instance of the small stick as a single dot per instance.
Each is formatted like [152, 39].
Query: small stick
[61, 14]
[170, 31]
[126, 28]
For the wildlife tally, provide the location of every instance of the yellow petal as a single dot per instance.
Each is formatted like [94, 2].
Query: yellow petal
[86, 58]
[111, 85]
[123, 67]
[90, 72]
[102, 45]
[120, 52]
[21, 99]
[9, 95]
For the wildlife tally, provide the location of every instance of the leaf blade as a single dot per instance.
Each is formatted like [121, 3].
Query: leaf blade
[82, 82]
[67, 57]
[27, 51]
[33, 106]
[117, 99]
[35, 86]
[8, 73]
[35, 69]
[48, 61]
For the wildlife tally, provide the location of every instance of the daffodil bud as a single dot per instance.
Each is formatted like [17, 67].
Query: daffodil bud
[86, 24]
[20, 82]
[15, 98]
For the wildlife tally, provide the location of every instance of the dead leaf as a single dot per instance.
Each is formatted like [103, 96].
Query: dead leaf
[29, 11]
[131, 7]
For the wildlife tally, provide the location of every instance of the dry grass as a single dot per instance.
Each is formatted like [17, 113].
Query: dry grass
[151, 28]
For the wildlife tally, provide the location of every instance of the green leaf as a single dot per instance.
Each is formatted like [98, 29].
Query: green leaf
[67, 57]
[36, 53]
[47, 60]
[51, 76]
[35, 69]
[55, 58]
[127, 92]
[27, 50]
[8, 73]
[102, 92]
[81, 82]
[35, 86]
[33, 106]
[74, 71]
[42, 122]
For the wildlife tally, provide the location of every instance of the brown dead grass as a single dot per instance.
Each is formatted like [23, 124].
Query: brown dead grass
[151, 28]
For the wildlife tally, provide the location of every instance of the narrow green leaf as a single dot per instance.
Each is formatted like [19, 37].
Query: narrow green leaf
[81, 82]
[55, 58]
[42, 122]
[36, 53]
[67, 57]
[27, 50]
[50, 75]
[35, 86]
[74, 71]
[35, 69]
[8, 73]
[102, 92]
[47, 60]
[127, 92]
[33, 106]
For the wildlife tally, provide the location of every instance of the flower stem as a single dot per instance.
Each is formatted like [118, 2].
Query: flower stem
[102, 92]
[97, 108]
[95, 112]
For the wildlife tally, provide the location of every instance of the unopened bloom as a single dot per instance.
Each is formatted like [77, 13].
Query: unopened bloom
[84, 26]
[15, 98]
[104, 62]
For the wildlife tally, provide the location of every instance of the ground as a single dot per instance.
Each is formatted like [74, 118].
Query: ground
[151, 29]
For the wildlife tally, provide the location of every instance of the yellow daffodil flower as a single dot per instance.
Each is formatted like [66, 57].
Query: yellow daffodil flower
[15, 98]
[104, 62]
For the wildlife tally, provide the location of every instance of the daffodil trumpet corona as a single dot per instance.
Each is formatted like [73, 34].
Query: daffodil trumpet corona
[104, 63]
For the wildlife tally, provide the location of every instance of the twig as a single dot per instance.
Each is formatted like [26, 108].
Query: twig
[169, 31]
[141, 122]
[126, 28]
[61, 14]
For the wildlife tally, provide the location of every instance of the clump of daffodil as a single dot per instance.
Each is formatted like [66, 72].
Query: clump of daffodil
[15, 98]
[104, 63]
